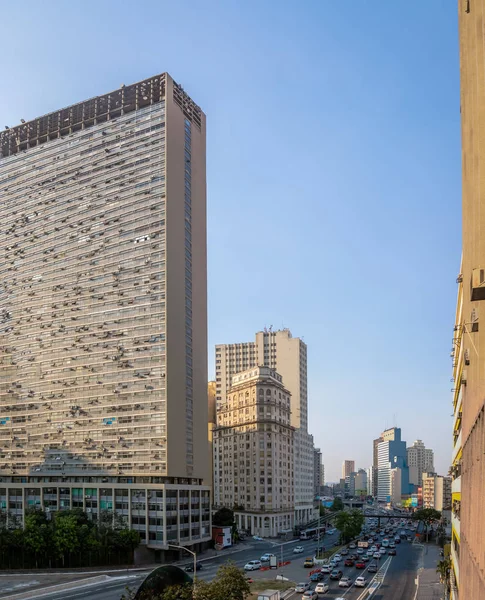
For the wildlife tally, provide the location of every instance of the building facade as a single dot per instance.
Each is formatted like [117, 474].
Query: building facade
[420, 460]
[103, 328]
[348, 467]
[375, 464]
[288, 355]
[317, 471]
[391, 455]
[436, 491]
[360, 483]
[253, 453]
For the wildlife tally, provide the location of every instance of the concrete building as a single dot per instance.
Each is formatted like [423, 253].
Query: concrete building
[253, 453]
[375, 464]
[317, 470]
[360, 483]
[420, 460]
[436, 491]
[212, 416]
[391, 455]
[288, 355]
[348, 467]
[468, 336]
[103, 328]
[396, 486]
[322, 478]
[370, 481]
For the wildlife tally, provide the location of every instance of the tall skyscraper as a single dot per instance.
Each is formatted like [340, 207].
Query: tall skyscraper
[103, 381]
[375, 465]
[348, 467]
[468, 336]
[253, 453]
[420, 460]
[278, 350]
[392, 455]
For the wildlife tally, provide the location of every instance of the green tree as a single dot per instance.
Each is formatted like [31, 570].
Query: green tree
[65, 536]
[230, 583]
[428, 516]
[224, 517]
[37, 534]
[322, 510]
[349, 524]
[337, 505]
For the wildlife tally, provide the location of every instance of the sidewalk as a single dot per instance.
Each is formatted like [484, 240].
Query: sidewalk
[429, 586]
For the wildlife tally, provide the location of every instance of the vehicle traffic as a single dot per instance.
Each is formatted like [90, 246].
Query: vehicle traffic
[253, 565]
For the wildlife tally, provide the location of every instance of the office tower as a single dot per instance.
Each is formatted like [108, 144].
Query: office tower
[288, 355]
[468, 525]
[420, 460]
[348, 467]
[375, 464]
[391, 455]
[253, 453]
[103, 386]
[436, 491]
[317, 470]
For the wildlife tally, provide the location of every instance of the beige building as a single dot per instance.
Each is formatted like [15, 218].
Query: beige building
[420, 460]
[348, 467]
[468, 336]
[253, 453]
[436, 491]
[396, 486]
[103, 354]
[288, 355]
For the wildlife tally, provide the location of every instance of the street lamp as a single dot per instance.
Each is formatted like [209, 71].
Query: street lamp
[190, 552]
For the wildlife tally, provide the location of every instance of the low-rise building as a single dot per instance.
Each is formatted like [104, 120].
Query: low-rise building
[436, 491]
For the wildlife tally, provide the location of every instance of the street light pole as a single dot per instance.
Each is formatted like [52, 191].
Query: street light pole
[195, 560]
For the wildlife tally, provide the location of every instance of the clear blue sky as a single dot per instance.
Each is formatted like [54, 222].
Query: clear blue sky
[333, 179]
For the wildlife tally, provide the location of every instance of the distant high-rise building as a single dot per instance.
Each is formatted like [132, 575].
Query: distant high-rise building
[436, 491]
[317, 470]
[322, 477]
[103, 358]
[253, 453]
[391, 455]
[288, 355]
[360, 482]
[375, 464]
[348, 467]
[420, 460]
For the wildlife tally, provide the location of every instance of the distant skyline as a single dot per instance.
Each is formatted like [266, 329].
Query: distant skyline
[334, 181]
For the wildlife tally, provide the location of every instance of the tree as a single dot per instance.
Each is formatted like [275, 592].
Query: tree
[230, 583]
[322, 510]
[428, 516]
[349, 524]
[37, 534]
[65, 535]
[337, 505]
[224, 517]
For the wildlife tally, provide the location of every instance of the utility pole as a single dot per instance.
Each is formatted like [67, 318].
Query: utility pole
[194, 555]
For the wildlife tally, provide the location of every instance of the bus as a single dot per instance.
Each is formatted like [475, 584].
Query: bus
[310, 534]
[385, 543]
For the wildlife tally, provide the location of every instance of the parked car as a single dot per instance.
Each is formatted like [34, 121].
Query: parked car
[345, 582]
[253, 565]
[190, 567]
[360, 582]
[349, 562]
[317, 576]
[372, 568]
[298, 550]
[336, 574]
[321, 588]
[266, 557]
[360, 564]
[310, 595]
[302, 587]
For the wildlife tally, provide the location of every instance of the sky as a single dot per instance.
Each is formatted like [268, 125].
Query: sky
[333, 173]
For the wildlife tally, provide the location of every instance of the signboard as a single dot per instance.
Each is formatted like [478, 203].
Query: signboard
[363, 544]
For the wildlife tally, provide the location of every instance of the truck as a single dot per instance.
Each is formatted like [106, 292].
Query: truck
[273, 562]
[269, 595]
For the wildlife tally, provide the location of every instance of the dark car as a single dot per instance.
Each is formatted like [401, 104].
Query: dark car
[318, 576]
[336, 543]
[360, 564]
[336, 574]
[349, 562]
[353, 557]
[190, 567]
[372, 568]
[392, 552]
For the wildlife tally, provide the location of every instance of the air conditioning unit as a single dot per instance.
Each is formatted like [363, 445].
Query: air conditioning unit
[478, 284]
[463, 377]
[467, 357]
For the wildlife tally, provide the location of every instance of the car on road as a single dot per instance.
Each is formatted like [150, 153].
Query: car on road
[317, 576]
[190, 567]
[310, 595]
[298, 550]
[344, 552]
[345, 582]
[392, 545]
[360, 564]
[352, 546]
[257, 538]
[336, 574]
[349, 562]
[253, 565]
[331, 531]
[360, 551]
[382, 550]
[392, 552]
[372, 568]
[302, 587]
[321, 588]
[376, 555]
[337, 556]
[410, 539]
[326, 569]
[308, 564]
[353, 556]
[266, 557]
[360, 582]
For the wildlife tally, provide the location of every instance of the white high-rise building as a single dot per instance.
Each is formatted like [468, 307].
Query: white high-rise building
[420, 460]
[288, 355]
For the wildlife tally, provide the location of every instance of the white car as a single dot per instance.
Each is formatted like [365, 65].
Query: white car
[360, 551]
[382, 550]
[345, 582]
[322, 588]
[266, 557]
[352, 546]
[360, 582]
[337, 557]
[310, 595]
[326, 569]
[253, 565]
[302, 587]
[257, 538]
[373, 549]
[298, 550]
[376, 555]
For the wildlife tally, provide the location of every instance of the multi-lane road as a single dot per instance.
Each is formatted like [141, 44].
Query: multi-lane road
[398, 584]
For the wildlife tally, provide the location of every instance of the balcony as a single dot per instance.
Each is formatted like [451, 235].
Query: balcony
[456, 485]
[457, 448]
[455, 523]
